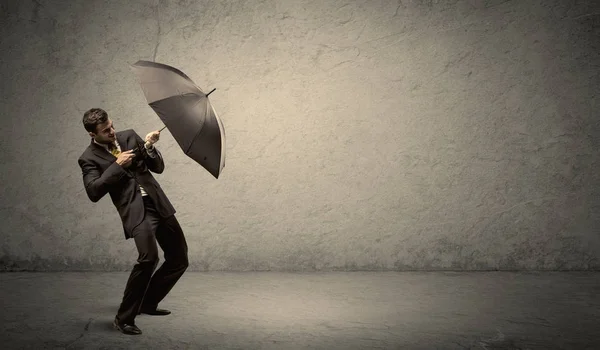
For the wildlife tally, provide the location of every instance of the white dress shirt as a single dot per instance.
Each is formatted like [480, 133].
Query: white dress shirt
[150, 150]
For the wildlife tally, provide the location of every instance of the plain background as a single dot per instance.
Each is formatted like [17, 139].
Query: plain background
[361, 135]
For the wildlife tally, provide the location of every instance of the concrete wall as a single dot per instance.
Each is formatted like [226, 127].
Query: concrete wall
[360, 134]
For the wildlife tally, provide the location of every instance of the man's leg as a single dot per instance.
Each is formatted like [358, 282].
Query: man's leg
[169, 236]
[145, 241]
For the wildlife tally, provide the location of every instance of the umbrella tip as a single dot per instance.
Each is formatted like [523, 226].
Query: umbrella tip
[211, 92]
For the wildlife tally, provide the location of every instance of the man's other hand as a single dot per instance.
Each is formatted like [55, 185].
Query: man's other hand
[124, 159]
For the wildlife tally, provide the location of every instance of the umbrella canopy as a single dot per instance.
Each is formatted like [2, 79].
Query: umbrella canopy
[186, 111]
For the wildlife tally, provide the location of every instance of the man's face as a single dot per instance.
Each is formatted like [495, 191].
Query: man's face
[105, 132]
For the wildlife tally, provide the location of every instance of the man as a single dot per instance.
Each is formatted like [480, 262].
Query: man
[110, 164]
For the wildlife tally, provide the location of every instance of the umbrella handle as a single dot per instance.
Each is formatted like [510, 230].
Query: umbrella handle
[158, 131]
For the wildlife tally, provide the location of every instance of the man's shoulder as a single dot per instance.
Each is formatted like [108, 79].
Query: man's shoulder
[127, 132]
[87, 153]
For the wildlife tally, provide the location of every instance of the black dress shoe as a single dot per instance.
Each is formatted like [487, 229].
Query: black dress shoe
[125, 328]
[155, 312]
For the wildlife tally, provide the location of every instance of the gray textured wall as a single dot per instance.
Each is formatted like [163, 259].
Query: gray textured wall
[360, 134]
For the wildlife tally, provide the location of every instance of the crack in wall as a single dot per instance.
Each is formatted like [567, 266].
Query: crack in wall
[157, 14]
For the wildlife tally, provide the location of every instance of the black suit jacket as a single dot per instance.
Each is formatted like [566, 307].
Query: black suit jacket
[102, 175]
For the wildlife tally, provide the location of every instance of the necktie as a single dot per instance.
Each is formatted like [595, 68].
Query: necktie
[113, 149]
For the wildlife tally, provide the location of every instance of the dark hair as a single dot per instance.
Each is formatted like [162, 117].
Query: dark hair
[94, 117]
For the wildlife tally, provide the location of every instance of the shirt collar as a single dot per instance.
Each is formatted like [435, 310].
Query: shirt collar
[105, 146]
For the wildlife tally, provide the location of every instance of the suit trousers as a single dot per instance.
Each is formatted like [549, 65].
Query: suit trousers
[143, 289]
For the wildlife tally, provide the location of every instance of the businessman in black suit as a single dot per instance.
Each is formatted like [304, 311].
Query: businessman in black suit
[119, 163]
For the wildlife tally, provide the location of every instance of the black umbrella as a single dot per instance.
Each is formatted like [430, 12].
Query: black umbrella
[186, 111]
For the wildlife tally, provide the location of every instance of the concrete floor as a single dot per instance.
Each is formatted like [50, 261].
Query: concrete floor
[329, 310]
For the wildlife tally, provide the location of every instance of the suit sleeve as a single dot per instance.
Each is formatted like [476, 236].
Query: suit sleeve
[97, 185]
[154, 163]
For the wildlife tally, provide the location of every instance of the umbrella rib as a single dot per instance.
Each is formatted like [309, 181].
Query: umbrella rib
[192, 142]
[181, 96]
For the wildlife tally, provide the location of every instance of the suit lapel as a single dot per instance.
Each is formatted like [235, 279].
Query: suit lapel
[122, 141]
[101, 151]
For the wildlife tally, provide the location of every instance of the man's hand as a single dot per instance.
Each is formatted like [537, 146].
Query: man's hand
[124, 159]
[152, 137]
